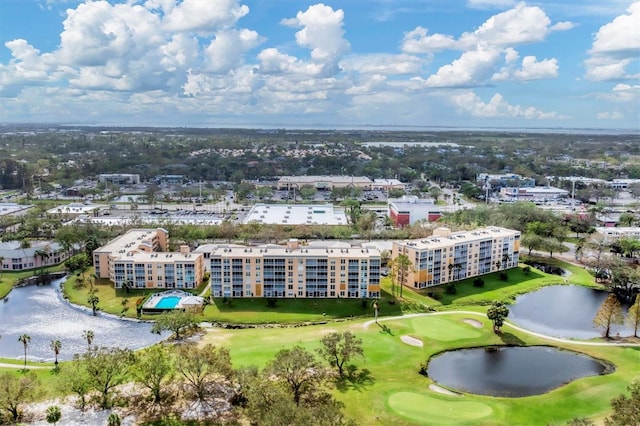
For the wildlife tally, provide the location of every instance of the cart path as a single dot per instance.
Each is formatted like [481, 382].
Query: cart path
[507, 324]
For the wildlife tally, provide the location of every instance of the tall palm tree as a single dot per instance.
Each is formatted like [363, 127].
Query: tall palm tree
[25, 339]
[56, 345]
[88, 336]
[93, 300]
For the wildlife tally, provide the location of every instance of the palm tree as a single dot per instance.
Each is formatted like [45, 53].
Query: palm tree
[56, 345]
[53, 414]
[25, 339]
[88, 336]
[1, 265]
[93, 300]
[113, 420]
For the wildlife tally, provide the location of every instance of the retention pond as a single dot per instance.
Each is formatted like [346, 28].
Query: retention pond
[511, 371]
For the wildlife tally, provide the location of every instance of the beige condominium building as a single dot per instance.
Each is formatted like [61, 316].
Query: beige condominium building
[294, 271]
[139, 259]
[451, 256]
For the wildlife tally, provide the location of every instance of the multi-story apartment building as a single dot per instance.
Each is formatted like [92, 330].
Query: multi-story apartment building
[139, 259]
[295, 271]
[446, 256]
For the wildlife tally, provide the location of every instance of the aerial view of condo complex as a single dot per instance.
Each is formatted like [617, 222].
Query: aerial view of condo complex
[231, 212]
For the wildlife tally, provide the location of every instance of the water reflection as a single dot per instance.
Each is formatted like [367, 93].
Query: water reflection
[565, 311]
[42, 313]
[511, 371]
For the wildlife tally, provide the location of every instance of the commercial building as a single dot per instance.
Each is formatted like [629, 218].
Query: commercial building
[410, 209]
[119, 178]
[140, 259]
[619, 232]
[337, 270]
[451, 256]
[324, 182]
[538, 193]
[296, 214]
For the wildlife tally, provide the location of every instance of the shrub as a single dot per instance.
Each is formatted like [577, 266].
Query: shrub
[435, 296]
[423, 369]
[478, 282]
[451, 289]
[526, 270]
[503, 276]
[271, 302]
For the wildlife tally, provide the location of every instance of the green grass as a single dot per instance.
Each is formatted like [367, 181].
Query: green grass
[392, 392]
[388, 389]
[9, 279]
[518, 282]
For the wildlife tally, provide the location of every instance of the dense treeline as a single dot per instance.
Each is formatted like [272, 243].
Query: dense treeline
[186, 383]
[61, 155]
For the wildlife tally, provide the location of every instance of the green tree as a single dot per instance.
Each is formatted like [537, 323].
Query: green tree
[53, 414]
[633, 316]
[609, 313]
[56, 345]
[25, 339]
[154, 370]
[201, 367]
[107, 368]
[114, 420]
[626, 409]
[93, 300]
[176, 321]
[75, 380]
[16, 391]
[400, 267]
[497, 313]
[339, 348]
[300, 370]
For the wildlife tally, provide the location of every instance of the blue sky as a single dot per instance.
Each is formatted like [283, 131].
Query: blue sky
[349, 63]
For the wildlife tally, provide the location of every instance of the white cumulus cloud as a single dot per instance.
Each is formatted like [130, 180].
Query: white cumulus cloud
[615, 47]
[498, 107]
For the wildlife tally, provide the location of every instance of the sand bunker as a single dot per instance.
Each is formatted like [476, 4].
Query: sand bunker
[473, 322]
[440, 389]
[412, 341]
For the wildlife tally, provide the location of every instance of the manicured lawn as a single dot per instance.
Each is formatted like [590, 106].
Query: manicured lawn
[389, 389]
[518, 282]
[8, 279]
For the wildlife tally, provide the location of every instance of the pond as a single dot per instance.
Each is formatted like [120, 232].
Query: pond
[511, 371]
[565, 311]
[42, 313]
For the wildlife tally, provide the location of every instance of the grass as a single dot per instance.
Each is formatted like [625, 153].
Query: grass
[518, 282]
[388, 388]
[392, 392]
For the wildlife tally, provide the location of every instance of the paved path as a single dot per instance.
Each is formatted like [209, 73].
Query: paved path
[508, 324]
[20, 366]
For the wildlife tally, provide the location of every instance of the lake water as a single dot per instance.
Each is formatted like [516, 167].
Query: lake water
[42, 313]
[565, 311]
[511, 371]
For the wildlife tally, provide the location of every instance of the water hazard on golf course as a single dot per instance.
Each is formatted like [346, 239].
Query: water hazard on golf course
[565, 311]
[511, 371]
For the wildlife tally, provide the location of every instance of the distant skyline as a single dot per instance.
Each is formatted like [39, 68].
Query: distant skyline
[350, 63]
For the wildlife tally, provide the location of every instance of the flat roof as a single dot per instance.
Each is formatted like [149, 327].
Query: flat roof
[76, 208]
[296, 214]
[436, 242]
[272, 250]
[11, 208]
[150, 257]
[131, 240]
[332, 179]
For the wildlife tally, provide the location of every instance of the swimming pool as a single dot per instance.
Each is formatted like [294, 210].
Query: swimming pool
[168, 302]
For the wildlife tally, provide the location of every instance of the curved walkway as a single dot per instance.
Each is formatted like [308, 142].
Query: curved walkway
[21, 366]
[509, 324]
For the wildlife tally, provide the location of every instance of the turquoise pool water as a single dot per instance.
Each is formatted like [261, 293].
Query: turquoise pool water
[168, 302]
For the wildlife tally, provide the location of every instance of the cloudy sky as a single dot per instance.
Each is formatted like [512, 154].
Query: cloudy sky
[348, 63]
